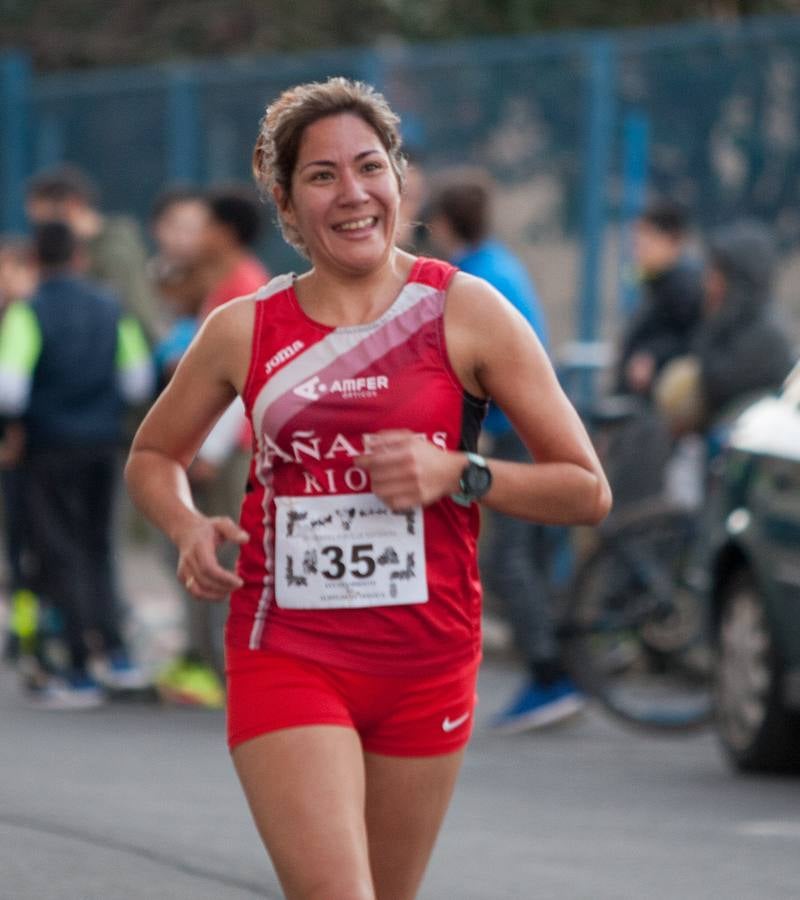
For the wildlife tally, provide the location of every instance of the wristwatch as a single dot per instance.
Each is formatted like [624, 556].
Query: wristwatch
[475, 481]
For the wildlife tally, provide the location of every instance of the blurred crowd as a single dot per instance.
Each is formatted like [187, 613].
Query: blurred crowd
[93, 327]
[96, 315]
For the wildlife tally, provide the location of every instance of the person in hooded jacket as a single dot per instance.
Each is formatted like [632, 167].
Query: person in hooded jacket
[739, 351]
[740, 348]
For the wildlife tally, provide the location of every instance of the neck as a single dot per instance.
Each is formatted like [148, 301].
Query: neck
[344, 298]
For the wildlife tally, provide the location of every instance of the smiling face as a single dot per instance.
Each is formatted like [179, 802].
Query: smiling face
[344, 195]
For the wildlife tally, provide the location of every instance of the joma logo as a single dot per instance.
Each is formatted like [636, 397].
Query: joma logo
[283, 355]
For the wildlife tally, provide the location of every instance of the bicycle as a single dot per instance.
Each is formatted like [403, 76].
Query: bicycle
[633, 629]
[633, 624]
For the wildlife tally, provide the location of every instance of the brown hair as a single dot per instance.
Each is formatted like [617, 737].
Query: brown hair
[464, 199]
[64, 182]
[286, 119]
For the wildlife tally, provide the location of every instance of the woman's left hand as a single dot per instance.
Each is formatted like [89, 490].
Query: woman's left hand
[408, 471]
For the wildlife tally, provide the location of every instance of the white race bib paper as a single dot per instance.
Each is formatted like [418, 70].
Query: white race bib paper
[347, 551]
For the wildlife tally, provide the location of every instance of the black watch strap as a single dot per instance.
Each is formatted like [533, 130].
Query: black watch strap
[475, 481]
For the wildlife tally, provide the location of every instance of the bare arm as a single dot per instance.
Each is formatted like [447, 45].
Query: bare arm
[496, 353]
[209, 376]
[566, 483]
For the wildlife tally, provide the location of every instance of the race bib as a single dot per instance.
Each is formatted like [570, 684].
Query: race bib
[347, 551]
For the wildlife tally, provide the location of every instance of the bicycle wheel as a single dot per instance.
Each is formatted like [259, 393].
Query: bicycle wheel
[634, 628]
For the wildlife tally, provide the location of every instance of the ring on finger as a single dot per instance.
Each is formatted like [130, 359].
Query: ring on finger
[190, 583]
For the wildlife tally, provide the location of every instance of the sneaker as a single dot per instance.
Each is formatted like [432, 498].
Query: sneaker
[23, 624]
[190, 683]
[119, 673]
[72, 692]
[536, 706]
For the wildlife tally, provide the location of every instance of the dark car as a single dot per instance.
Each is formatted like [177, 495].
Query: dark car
[756, 585]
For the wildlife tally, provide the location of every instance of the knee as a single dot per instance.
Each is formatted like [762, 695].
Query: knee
[334, 888]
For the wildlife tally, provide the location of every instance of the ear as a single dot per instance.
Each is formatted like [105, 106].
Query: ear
[283, 202]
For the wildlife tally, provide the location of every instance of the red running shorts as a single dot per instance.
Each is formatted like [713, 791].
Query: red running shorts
[394, 716]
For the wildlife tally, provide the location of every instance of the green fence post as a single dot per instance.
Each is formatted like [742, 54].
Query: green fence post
[15, 85]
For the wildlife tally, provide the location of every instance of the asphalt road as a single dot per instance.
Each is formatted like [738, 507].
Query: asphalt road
[140, 801]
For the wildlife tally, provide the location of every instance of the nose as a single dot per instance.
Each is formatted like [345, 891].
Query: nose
[351, 189]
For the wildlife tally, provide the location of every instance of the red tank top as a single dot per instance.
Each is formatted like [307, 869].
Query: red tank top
[314, 395]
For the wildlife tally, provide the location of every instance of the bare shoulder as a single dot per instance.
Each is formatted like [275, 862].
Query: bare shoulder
[223, 345]
[482, 328]
[472, 300]
[233, 320]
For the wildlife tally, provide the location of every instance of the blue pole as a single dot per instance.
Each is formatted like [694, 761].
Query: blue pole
[635, 149]
[373, 68]
[182, 127]
[600, 116]
[48, 149]
[599, 140]
[15, 83]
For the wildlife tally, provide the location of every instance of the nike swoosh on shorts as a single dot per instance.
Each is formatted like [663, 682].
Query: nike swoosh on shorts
[451, 724]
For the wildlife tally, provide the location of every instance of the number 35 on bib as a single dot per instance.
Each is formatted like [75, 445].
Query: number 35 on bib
[347, 551]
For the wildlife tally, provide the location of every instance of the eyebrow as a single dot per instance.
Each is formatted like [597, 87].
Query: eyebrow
[328, 162]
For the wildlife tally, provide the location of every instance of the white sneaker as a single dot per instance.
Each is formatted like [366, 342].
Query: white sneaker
[118, 673]
[65, 694]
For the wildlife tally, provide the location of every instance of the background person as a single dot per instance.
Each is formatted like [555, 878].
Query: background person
[18, 280]
[637, 442]
[355, 716]
[203, 261]
[69, 362]
[229, 268]
[518, 563]
[411, 234]
[739, 349]
[114, 245]
[661, 327]
[233, 270]
[233, 226]
[180, 277]
[177, 224]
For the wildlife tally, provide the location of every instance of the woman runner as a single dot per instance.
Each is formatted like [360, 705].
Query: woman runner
[353, 639]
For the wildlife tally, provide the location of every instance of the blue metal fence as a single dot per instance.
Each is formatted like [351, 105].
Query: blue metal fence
[576, 125]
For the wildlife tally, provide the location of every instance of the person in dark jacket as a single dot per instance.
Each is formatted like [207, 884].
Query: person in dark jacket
[738, 352]
[661, 327]
[740, 348]
[69, 362]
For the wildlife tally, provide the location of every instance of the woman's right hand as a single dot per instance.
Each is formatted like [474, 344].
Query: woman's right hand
[199, 569]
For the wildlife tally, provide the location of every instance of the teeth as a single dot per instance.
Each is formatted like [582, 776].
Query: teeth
[359, 223]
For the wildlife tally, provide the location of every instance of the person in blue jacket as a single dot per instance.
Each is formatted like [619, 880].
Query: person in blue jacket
[518, 561]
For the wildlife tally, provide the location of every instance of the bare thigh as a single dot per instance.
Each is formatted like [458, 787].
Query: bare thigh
[306, 791]
[407, 799]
